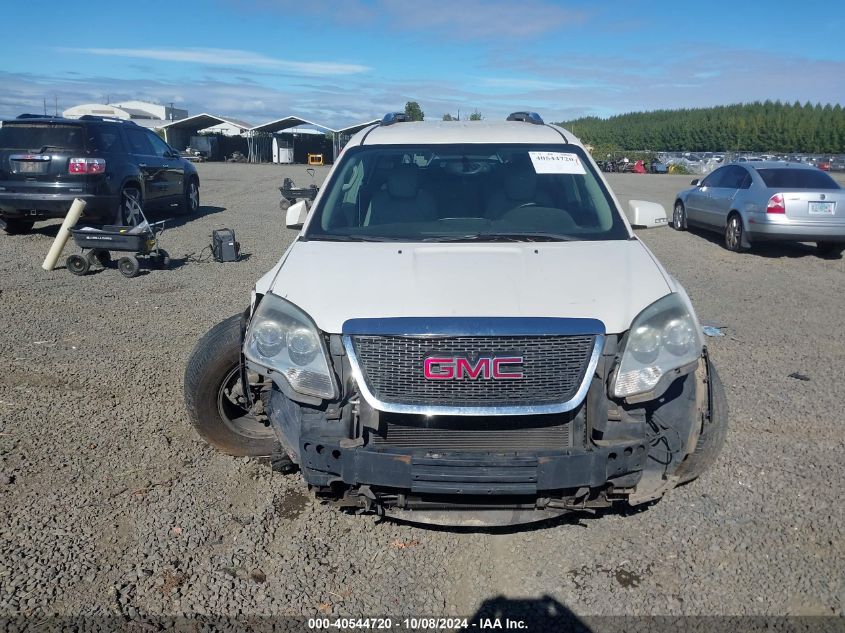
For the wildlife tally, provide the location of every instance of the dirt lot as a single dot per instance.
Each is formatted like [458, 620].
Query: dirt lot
[111, 505]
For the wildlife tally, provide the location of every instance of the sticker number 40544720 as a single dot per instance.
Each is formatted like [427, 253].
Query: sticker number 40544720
[556, 163]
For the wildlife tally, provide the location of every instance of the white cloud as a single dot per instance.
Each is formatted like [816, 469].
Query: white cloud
[226, 57]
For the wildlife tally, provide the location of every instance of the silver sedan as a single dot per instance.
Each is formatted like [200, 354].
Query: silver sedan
[760, 201]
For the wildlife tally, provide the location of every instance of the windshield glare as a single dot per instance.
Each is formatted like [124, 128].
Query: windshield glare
[466, 192]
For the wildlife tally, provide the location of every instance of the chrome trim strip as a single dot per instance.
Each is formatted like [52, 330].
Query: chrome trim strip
[562, 407]
[473, 326]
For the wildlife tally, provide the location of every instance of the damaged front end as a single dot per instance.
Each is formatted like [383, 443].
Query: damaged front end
[479, 421]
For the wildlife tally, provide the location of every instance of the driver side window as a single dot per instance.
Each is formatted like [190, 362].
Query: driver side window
[714, 179]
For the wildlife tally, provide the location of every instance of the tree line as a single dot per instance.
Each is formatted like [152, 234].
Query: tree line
[771, 126]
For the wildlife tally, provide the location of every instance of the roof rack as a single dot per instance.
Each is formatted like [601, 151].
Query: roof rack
[394, 117]
[92, 117]
[27, 115]
[526, 117]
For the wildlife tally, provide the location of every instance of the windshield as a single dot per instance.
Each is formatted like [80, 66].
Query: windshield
[38, 136]
[797, 179]
[464, 193]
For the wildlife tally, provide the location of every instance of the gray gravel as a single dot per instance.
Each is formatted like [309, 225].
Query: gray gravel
[111, 505]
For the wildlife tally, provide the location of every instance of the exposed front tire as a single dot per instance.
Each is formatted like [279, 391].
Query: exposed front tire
[679, 217]
[16, 226]
[217, 407]
[713, 431]
[734, 233]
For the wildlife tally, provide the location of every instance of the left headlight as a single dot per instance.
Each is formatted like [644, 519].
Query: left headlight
[282, 337]
[664, 337]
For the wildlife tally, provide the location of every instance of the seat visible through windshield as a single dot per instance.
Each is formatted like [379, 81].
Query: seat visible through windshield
[426, 193]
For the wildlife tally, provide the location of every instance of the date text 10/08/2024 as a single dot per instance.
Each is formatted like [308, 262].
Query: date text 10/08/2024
[416, 623]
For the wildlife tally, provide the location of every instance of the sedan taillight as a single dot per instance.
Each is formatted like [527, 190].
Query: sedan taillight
[86, 166]
[776, 204]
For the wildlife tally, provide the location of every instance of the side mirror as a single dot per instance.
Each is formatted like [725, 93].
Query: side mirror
[695, 182]
[646, 215]
[296, 214]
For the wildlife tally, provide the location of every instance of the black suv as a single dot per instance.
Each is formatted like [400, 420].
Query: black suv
[115, 166]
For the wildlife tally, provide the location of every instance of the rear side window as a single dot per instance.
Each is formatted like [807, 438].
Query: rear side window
[139, 143]
[104, 139]
[797, 179]
[41, 136]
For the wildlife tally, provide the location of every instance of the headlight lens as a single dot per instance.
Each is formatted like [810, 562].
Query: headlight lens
[282, 337]
[663, 337]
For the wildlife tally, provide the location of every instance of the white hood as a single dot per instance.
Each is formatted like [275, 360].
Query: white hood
[335, 281]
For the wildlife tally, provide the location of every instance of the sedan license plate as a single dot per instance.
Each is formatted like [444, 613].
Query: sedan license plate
[821, 208]
[31, 167]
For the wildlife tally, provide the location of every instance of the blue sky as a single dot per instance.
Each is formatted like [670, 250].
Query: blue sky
[339, 63]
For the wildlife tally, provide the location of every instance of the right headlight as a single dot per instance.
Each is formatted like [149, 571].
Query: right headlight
[283, 338]
[664, 337]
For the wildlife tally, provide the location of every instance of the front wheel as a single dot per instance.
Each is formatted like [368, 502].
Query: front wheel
[217, 407]
[679, 217]
[191, 203]
[714, 430]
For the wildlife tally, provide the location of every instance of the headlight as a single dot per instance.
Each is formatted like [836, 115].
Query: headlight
[665, 336]
[282, 337]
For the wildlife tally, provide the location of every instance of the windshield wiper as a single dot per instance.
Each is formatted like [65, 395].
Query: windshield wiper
[44, 148]
[349, 238]
[502, 237]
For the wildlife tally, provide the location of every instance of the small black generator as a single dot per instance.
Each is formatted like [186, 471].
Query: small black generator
[224, 246]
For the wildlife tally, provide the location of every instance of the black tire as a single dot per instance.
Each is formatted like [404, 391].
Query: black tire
[78, 265]
[128, 266]
[191, 203]
[130, 208]
[711, 437]
[832, 250]
[212, 367]
[103, 258]
[16, 226]
[734, 232]
[679, 217]
[164, 259]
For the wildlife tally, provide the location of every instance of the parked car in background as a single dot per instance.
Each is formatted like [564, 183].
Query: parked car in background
[657, 166]
[115, 166]
[837, 163]
[766, 200]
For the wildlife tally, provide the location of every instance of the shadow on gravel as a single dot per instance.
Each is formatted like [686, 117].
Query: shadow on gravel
[175, 221]
[529, 614]
[771, 250]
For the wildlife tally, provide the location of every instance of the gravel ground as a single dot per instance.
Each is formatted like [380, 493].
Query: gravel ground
[111, 505]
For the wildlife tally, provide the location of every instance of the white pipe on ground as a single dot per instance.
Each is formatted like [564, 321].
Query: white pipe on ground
[71, 219]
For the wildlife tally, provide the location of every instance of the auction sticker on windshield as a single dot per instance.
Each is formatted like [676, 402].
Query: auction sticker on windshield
[556, 163]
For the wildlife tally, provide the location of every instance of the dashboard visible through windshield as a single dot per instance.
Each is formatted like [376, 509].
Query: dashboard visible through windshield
[465, 193]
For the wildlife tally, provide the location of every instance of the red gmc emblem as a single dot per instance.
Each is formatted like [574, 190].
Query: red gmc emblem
[458, 368]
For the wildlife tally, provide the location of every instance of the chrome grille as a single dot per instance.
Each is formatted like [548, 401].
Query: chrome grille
[553, 369]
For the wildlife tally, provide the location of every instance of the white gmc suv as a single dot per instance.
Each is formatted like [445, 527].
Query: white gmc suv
[465, 331]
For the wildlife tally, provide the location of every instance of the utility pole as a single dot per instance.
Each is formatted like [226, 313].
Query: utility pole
[45, 106]
[56, 97]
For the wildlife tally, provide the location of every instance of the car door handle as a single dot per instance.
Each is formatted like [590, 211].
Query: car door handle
[142, 165]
